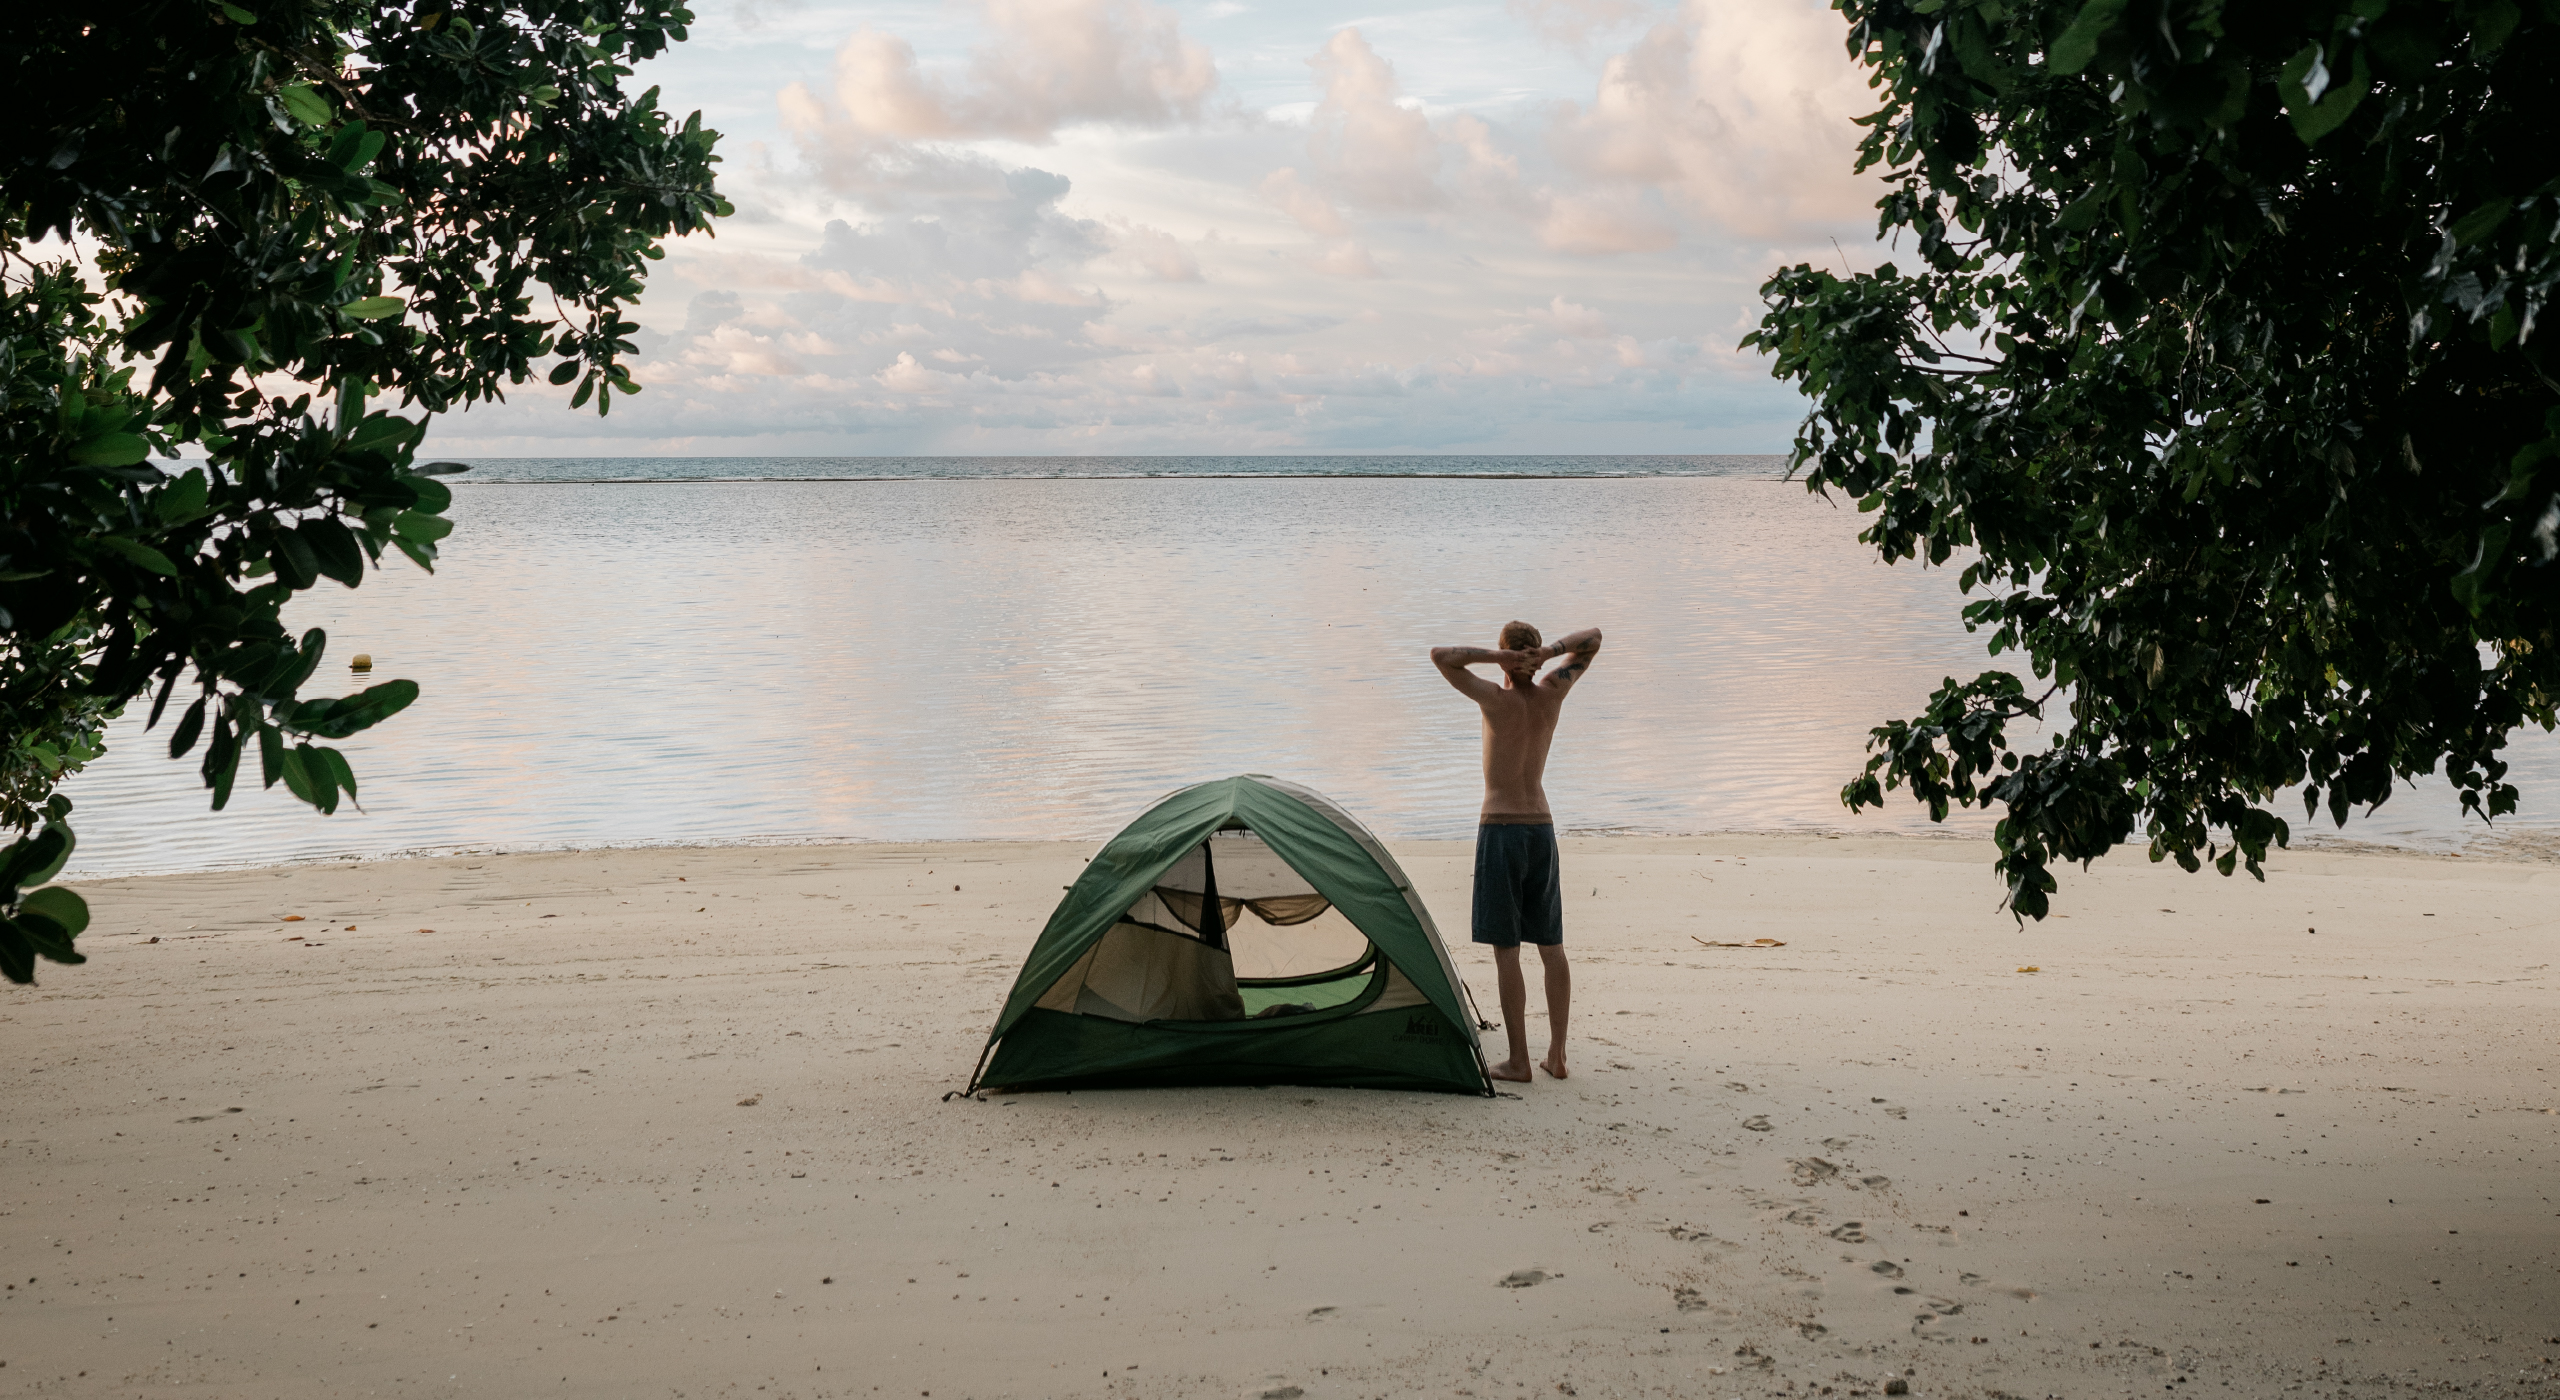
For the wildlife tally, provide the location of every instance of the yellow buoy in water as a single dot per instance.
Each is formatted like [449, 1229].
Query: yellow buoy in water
[363, 662]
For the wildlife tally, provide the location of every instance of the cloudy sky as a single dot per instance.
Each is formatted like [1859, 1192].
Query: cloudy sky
[1233, 226]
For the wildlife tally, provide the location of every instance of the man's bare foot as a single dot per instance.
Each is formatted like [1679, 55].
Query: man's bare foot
[1512, 1070]
[1553, 1064]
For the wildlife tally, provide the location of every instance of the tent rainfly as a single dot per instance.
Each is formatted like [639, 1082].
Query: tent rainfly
[1242, 931]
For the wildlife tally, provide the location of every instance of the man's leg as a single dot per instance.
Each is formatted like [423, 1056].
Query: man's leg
[1515, 1013]
[1559, 1003]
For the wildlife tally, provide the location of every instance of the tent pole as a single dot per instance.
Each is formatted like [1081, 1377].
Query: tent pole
[1483, 1025]
[981, 1069]
[1213, 917]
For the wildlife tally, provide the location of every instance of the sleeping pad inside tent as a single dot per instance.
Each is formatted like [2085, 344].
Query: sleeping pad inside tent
[1242, 931]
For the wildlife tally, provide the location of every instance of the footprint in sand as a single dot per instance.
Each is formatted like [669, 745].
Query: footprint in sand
[1757, 1123]
[1688, 1299]
[1887, 1267]
[1849, 1232]
[1809, 1171]
[1527, 1278]
[1934, 1309]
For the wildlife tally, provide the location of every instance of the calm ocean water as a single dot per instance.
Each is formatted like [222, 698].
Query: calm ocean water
[1038, 648]
[624, 469]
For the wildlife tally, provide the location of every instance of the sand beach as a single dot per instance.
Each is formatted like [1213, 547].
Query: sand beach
[671, 1123]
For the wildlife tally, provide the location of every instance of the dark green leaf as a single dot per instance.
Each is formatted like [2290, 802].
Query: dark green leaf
[306, 659]
[307, 775]
[32, 860]
[338, 769]
[184, 499]
[66, 909]
[17, 954]
[2079, 43]
[2315, 119]
[111, 450]
[415, 525]
[305, 105]
[2481, 222]
[48, 938]
[2497, 20]
[222, 762]
[138, 554]
[294, 562]
[420, 553]
[333, 549]
[385, 431]
[190, 725]
[271, 755]
[358, 712]
[433, 496]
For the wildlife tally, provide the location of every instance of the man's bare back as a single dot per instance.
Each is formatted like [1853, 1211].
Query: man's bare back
[1518, 898]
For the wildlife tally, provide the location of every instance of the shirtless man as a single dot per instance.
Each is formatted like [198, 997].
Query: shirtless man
[1519, 894]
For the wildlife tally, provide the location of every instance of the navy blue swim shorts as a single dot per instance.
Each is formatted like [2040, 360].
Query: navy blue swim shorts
[1519, 891]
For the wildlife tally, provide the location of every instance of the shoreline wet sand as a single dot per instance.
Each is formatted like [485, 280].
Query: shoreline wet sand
[669, 1122]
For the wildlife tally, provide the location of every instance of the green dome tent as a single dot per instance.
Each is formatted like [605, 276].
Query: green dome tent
[1242, 931]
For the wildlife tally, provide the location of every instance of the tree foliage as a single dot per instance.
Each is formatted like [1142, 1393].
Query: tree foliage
[2220, 361]
[231, 228]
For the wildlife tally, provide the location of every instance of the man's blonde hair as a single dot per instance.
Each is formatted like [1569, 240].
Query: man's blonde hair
[1520, 636]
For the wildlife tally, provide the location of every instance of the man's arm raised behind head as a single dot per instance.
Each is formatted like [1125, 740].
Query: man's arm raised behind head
[1583, 647]
[1454, 661]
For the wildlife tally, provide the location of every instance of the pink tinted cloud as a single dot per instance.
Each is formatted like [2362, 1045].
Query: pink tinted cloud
[1574, 320]
[1604, 222]
[1055, 62]
[1151, 250]
[1347, 260]
[1377, 152]
[1737, 113]
[1574, 23]
[1304, 203]
[1046, 65]
[1734, 114]
[964, 299]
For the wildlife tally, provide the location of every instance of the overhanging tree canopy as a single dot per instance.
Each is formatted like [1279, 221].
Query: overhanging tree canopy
[2221, 355]
[228, 227]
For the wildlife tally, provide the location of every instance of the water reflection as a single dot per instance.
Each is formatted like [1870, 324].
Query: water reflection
[572, 469]
[930, 659]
